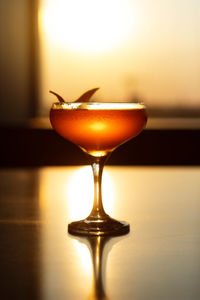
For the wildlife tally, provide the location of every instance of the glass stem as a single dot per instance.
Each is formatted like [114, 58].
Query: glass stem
[97, 168]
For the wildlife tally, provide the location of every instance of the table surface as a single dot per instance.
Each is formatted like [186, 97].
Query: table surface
[159, 259]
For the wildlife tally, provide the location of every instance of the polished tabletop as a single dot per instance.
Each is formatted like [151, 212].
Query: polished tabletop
[159, 259]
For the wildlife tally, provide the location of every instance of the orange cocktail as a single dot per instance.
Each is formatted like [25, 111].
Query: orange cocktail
[98, 128]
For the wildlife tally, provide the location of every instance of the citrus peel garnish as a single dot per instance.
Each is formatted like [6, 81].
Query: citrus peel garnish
[87, 95]
[58, 96]
[83, 98]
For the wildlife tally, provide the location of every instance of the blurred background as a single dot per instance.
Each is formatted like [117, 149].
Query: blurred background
[134, 50]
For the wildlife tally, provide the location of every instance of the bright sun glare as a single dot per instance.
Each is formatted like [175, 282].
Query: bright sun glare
[89, 26]
[80, 192]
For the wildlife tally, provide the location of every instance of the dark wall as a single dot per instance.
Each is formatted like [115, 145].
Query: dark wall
[17, 60]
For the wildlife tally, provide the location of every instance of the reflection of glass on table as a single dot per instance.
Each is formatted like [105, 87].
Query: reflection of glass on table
[99, 247]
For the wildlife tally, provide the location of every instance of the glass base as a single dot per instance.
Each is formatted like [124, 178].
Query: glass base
[98, 227]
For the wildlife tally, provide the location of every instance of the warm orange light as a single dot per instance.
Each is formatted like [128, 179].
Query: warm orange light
[84, 257]
[98, 126]
[80, 192]
[88, 26]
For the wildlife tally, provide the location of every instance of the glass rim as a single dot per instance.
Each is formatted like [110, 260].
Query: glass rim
[98, 105]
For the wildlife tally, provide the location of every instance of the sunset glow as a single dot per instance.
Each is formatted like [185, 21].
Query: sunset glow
[130, 49]
[88, 26]
[80, 192]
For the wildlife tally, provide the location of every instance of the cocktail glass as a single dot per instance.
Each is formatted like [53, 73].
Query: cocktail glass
[98, 129]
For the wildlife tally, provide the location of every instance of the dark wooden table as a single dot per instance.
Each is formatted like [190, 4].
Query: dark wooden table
[159, 259]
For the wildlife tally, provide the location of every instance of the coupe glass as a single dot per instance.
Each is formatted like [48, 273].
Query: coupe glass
[98, 129]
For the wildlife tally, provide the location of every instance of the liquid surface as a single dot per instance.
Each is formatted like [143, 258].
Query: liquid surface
[99, 130]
